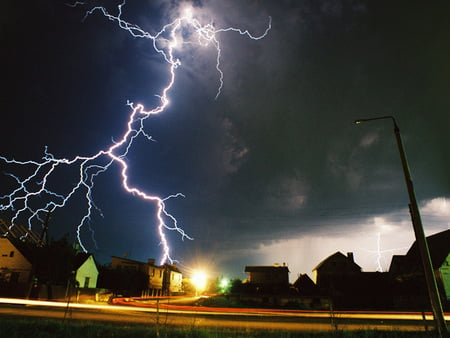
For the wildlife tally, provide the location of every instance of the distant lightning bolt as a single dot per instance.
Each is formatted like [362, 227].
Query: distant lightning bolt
[33, 194]
[379, 267]
[379, 253]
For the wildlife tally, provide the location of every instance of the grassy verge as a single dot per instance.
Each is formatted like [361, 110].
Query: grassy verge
[12, 328]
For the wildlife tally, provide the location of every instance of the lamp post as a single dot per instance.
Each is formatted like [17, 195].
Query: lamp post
[424, 252]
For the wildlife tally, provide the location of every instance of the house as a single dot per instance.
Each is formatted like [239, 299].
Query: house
[266, 284]
[304, 285]
[161, 279]
[155, 277]
[175, 279]
[270, 279]
[164, 279]
[15, 267]
[15, 261]
[122, 263]
[86, 271]
[335, 270]
[341, 279]
[16, 258]
[406, 270]
[308, 294]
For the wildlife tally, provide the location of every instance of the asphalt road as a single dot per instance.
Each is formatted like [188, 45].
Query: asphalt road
[190, 316]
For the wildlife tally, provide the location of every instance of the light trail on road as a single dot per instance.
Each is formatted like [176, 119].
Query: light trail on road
[129, 304]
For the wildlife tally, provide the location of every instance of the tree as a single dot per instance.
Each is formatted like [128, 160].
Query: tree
[53, 263]
[122, 281]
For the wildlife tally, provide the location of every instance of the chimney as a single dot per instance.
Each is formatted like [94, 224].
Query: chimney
[350, 257]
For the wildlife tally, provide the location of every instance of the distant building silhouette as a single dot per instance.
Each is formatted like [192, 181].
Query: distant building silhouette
[305, 286]
[403, 287]
[335, 269]
[269, 279]
[341, 279]
[407, 272]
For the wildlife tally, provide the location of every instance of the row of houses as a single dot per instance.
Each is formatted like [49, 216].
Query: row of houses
[18, 271]
[338, 281]
[19, 276]
[30, 267]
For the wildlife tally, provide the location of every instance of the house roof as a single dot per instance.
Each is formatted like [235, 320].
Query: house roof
[338, 255]
[18, 231]
[24, 247]
[80, 258]
[262, 268]
[398, 263]
[172, 267]
[304, 282]
[438, 245]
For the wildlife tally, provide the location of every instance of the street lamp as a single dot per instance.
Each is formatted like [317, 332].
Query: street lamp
[430, 278]
[199, 280]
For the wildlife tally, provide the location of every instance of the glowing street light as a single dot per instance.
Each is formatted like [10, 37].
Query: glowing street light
[430, 278]
[224, 284]
[199, 279]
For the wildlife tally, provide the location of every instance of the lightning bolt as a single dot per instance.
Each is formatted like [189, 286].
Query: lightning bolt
[379, 253]
[34, 193]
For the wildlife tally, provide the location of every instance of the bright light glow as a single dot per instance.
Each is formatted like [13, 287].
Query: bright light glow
[188, 13]
[224, 282]
[32, 197]
[224, 285]
[199, 280]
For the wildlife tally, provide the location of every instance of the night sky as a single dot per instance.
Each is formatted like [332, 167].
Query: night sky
[274, 169]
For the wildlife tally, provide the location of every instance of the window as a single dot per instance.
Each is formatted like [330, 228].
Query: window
[86, 282]
[11, 254]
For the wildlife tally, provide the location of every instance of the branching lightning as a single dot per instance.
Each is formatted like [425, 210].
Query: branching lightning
[33, 195]
[379, 253]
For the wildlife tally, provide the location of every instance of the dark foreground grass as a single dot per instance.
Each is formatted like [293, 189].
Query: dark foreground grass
[43, 328]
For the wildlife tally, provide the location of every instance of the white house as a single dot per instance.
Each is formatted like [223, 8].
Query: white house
[86, 271]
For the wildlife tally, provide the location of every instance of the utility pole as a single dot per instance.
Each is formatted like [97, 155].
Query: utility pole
[44, 234]
[430, 278]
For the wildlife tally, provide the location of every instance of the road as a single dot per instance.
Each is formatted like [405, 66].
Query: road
[191, 316]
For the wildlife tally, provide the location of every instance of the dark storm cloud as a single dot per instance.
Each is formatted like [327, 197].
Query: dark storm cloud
[292, 101]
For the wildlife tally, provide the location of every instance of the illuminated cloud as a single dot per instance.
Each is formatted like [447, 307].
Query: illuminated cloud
[369, 139]
[287, 193]
[234, 151]
[438, 207]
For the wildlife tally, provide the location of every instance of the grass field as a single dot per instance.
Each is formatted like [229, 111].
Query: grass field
[39, 328]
